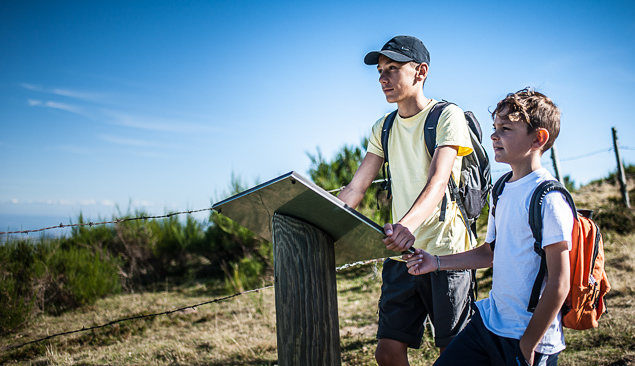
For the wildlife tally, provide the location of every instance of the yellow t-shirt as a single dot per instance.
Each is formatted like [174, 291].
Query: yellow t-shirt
[409, 165]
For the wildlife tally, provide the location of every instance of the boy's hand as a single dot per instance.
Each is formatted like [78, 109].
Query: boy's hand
[421, 262]
[527, 350]
[398, 237]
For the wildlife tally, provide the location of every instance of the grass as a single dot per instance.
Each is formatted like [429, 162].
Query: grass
[242, 330]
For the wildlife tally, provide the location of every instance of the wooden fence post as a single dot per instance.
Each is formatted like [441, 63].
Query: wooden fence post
[306, 294]
[556, 164]
[621, 177]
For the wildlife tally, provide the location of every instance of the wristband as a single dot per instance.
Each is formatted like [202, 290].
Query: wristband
[438, 264]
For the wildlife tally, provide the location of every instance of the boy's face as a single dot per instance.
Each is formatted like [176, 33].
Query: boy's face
[398, 79]
[512, 141]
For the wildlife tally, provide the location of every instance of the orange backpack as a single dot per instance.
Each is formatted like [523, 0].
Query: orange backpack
[585, 303]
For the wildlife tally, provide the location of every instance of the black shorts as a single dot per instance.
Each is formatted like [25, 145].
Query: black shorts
[406, 300]
[482, 347]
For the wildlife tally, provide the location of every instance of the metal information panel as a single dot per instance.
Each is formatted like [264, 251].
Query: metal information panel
[356, 237]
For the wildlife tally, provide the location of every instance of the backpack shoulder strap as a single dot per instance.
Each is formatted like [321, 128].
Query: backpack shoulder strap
[535, 208]
[385, 132]
[430, 126]
[430, 140]
[535, 223]
[497, 190]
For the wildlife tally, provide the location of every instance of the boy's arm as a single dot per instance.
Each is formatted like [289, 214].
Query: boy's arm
[552, 298]
[399, 236]
[423, 262]
[354, 192]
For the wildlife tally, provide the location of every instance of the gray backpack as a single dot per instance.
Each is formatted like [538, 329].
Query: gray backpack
[475, 182]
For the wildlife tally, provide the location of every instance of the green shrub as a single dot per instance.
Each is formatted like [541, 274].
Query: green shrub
[17, 278]
[80, 276]
[244, 275]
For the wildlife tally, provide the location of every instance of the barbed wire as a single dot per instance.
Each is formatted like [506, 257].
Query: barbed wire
[84, 329]
[168, 312]
[342, 187]
[115, 221]
[588, 154]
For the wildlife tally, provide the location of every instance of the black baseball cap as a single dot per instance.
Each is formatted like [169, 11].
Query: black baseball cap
[401, 49]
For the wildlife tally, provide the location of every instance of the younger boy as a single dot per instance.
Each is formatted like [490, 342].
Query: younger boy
[503, 331]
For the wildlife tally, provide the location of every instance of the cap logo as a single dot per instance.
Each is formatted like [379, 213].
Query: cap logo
[405, 49]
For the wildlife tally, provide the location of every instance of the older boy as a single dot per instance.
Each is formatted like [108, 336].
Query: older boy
[419, 182]
[503, 331]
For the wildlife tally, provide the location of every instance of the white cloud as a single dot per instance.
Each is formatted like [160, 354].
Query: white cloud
[67, 202]
[153, 124]
[125, 141]
[55, 105]
[75, 94]
[63, 106]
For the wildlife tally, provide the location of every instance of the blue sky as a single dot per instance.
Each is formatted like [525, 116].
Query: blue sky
[153, 105]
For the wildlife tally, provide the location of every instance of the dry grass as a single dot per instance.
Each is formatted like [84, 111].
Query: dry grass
[242, 331]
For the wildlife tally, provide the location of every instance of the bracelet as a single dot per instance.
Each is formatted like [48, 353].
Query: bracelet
[438, 264]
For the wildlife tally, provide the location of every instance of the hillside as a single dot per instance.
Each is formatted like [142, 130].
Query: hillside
[242, 330]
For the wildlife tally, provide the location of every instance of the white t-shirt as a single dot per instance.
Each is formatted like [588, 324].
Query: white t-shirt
[516, 263]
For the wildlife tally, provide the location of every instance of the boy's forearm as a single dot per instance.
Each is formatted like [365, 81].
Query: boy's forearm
[432, 193]
[354, 192]
[351, 196]
[422, 262]
[424, 205]
[553, 296]
[479, 257]
[547, 309]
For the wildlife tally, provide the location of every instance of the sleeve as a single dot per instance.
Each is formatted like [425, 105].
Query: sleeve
[557, 220]
[453, 130]
[374, 141]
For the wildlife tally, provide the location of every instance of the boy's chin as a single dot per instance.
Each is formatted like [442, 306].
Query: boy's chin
[499, 159]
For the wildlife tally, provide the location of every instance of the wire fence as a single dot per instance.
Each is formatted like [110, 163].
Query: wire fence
[167, 312]
[114, 221]
[577, 157]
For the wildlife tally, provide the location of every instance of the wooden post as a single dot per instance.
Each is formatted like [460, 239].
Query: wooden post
[556, 164]
[621, 177]
[306, 294]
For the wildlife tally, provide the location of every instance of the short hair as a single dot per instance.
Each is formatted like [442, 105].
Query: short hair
[534, 108]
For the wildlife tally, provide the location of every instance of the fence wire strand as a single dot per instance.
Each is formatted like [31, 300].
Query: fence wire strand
[115, 221]
[85, 329]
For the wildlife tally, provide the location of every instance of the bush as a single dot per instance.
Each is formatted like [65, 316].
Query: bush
[17, 278]
[50, 275]
[615, 217]
[80, 276]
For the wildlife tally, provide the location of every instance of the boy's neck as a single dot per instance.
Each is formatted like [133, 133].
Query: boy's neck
[413, 105]
[526, 167]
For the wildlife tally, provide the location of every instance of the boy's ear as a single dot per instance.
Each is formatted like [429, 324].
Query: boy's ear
[422, 71]
[542, 136]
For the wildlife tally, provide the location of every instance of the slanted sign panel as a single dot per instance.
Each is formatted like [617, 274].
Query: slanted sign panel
[356, 237]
